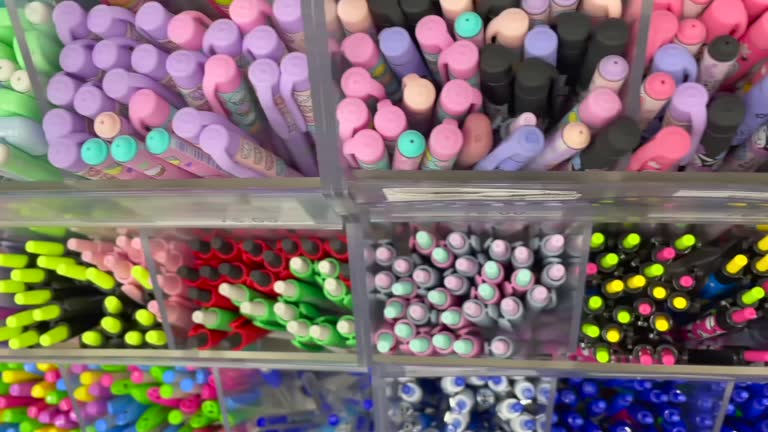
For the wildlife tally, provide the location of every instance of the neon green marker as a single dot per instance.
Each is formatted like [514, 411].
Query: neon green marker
[56, 396]
[752, 296]
[597, 243]
[134, 338]
[139, 392]
[156, 338]
[7, 333]
[685, 243]
[199, 420]
[346, 326]
[72, 271]
[9, 286]
[40, 247]
[92, 339]
[16, 261]
[603, 354]
[295, 291]
[20, 319]
[14, 415]
[103, 279]
[595, 304]
[302, 268]
[59, 232]
[53, 262]
[630, 242]
[211, 409]
[337, 291]
[590, 330]
[14, 103]
[176, 417]
[329, 268]
[152, 418]
[608, 262]
[29, 275]
[25, 340]
[145, 318]
[58, 334]
[653, 271]
[142, 277]
[112, 305]
[239, 293]
[215, 318]
[112, 326]
[259, 309]
[29, 425]
[288, 312]
[299, 328]
[33, 297]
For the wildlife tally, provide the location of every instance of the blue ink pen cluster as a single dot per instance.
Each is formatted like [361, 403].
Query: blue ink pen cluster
[464, 292]
[473, 403]
[583, 405]
[657, 296]
[747, 408]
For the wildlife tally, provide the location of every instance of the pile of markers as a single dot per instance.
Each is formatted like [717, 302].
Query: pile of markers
[636, 405]
[229, 292]
[483, 85]
[34, 398]
[747, 409]
[56, 287]
[460, 293]
[153, 94]
[476, 403]
[667, 299]
[147, 398]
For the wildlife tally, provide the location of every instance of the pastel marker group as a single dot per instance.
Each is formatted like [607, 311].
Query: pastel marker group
[124, 77]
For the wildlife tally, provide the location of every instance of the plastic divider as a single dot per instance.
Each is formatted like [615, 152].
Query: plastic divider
[633, 85]
[579, 281]
[221, 393]
[551, 403]
[357, 268]
[159, 294]
[724, 405]
[38, 86]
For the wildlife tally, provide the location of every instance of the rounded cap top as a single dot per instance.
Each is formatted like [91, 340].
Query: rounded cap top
[95, 151]
[124, 148]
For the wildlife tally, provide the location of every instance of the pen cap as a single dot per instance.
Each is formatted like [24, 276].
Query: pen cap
[366, 149]
[496, 73]
[108, 21]
[76, 59]
[724, 116]
[64, 152]
[490, 9]
[400, 51]
[541, 43]
[535, 8]
[418, 93]
[478, 140]
[152, 18]
[610, 73]
[223, 37]
[352, 115]
[676, 61]
[186, 68]
[599, 108]
[445, 140]
[286, 16]
[113, 53]
[453, 8]
[610, 37]
[515, 151]
[188, 123]
[414, 10]
[725, 49]
[62, 88]
[361, 50]
[389, 120]
[358, 83]
[611, 144]
[187, 29]
[108, 125]
[573, 30]
[147, 110]
[249, 14]
[663, 152]
[59, 122]
[755, 8]
[94, 151]
[355, 16]
[221, 143]
[149, 60]
[691, 32]
[457, 98]
[386, 13]
[263, 42]
[70, 19]
[532, 87]
[725, 17]
[508, 29]
[91, 101]
[432, 34]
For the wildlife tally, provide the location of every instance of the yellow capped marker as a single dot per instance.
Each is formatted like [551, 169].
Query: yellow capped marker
[53, 262]
[72, 271]
[18, 376]
[733, 267]
[33, 298]
[761, 265]
[16, 261]
[659, 292]
[612, 335]
[92, 338]
[45, 367]
[89, 377]
[46, 313]
[41, 389]
[631, 241]
[20, 319]
[156, 338]
[83, 395]
[134, 338]
[112, 325]
[7, 333]
[762, 245]
[597, 241]
[614, 287]
[29, 275]
[609, 261]
[142, 276]
[636, 282]
[41, 247]
[679, 303]
[661, 323]
[8, 286]
[101, 279]
[113, 305]
[25, 340]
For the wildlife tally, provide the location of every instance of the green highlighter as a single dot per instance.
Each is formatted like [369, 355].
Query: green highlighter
[326, 335]
[215, 318]
[17, 104]
[199, 420]
[152, 418]
[337, 291]
[295, 291]
[346, 328]
[299, 328]
[302, 268]
[9, 286]
[239, 294]
[44, 50]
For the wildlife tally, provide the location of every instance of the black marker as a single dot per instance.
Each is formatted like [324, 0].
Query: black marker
[533, 84]
[414, 10]
[496, 74]
[386, 13]
[490, 9]
[609, 38]
[572, 33]
[611, 144]
[724, 116]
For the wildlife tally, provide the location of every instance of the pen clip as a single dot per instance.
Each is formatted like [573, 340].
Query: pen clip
[264, 75]
[287, 83]
[211, 86]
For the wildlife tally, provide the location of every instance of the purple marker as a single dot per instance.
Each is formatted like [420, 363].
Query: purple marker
[187, 69]
[443, 342]
[223, 37]
[457, 284]
[264, 75]
[454, 318]
[537, 298]
[492, 272]
[188, 123]
[480, 314]
[501, 347]
[296, 90]
[467, 266]
[405, 288]
[64, 153]
[537, 10]
[263, 42]
[514, 152]
[519, 283]
[610, 73]
[441, 299]
[383, 281]
[394, 309]
[385, 255]
[442, 258]
[70, 19]
[426, 277]
[552, 246]
[91, 101]
[522, 257]
[76, 59]
[404, 330]
[541, 43]
[553, 276]
[688, 109]
[59, 122]
[113, 21]
[113, 53]
[401, 53]
[458, 243]
[403, 266]
[152, 19]
[223, 144]
[62, 88]
[488, 293]
[677, 61]
[120, 85]
[756, 103]
[286, 16]
[511, 310]
[424, 242]
[500, 250]
[420, 314]
[148, 60]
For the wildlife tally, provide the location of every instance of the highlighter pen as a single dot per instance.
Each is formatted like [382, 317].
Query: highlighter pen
[509, 29]
[460, 61]
[725, 280]
[573, 29]
[229, 94]
[469, 26]
[691, 34]
[719, 322]
[401, 53]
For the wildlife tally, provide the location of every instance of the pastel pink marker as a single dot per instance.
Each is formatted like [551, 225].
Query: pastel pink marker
[460, 61]
[361, 50]
[352, 115]
[754, 51]
[179, 316]
[656, 91]
[664, 25]
[357, 83]
[725, 17]
[633, 8]
[694, 8]
[755, 8]
[389, 122]
[600, 107]
[249, 14]
[691, 34]
[662, 153]
[466, 266]
[445, 143]
[187, 30]
[366, 150]
[455, 283]
[147, 110]
[457, 99]
[433, 37]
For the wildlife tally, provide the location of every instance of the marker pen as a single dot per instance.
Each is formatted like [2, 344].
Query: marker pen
[511, 311]
[509, 29]
[390, 122]
[691, 35]
[418, 102]
[460, 61]
[152, 20]
[573, 31]
[664, 152]
[724, 116]
[515, 151]
[355, 17]
[562, 145]
[433, 37]
[541, 43]
[224, 37]
[468, 346]
[610, 37]
[441, 258]
[353, 116]
[724, 18]
[420, 314]
[532, 90]
[719, 322]
[755, 106]
[76, 59]
[113, 53]
[69, 19]
[360, 50]
[249, 14]
[457, 284]
[263, 42]
[61, 87]
[726, 279]
[537, 10]
[611, 73]
[676, 61]
[229, 94]
[367, 150]
[186, 68]
[187, 29]
[286, 16]
[401, 53]
[469, 26]
[452, 9]
[446, 139]
[496, 74]
[113, 21]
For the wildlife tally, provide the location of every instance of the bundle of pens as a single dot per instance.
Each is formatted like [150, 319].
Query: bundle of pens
[58, 288]
[233, 292]
[703, 99]
[146, 399]
[635, 405]
[164, 96]
[464, 293]
[485, 86]
[487, 403]
[34, 398]
[747, 409]
[658, 299]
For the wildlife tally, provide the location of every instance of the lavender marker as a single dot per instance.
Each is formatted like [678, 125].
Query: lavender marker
[263, 42]
[70, 20]
[62, 88]
[113, 21]
[91, 101]
[113, 53]
[121, 85]
[187, 69]
[59, 122]
[223, 37]
[76, 58]
[458, 243]
[288, 21]
[457, 285]
[64, 153]
[553, 276]
[482, 315]
[541, 43]
[401, 53]
[152, 19]
[148, 60]
[677, 61]
[467, 266]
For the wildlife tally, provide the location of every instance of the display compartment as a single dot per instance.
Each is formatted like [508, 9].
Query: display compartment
[746, 407]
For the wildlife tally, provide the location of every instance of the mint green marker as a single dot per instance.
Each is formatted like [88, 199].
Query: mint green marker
[326, 335]
[239, 294]
[337, 291]
[404, 330]
[385, 343]
[302, 268]
[411, 146]
[294, 291]
[215, 318]
[468, 26]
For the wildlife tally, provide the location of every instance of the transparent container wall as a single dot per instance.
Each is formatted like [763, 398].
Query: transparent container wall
[248, 289]
[747, 408]
[669, 294]
[472, 402]
[625, 405]
[501, 289]
[257, 400]
[84, 288]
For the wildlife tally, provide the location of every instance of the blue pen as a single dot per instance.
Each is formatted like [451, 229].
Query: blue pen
[201, 375]
[589, 389]
[597, 408]
[704, 422]
[575, 420]
[677, 396]
[619, 403]
[621, 427]
[755, 408]
[641, 415]
[61, 385]
[243, 400]
[725, 280]
[671, 415]
[739, 395]
[567, 397]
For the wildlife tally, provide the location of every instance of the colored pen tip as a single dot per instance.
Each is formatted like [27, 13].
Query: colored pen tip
[736, 263]
[666, 254]
[662, 324]
[623, 317]
[438, 298]
[591, 269]
[653, 271]
[762, 244]
[419, 344]
[597, 241]
[441, 255]
[424, 240]
[762, 264]
[744, 315]
[659, 292]
[753, 295]
[402, 329]
[486, 291]
[636, 282]
[603, 354]
[614, 287]
[590, 330]
[609, 260]
[613, 335]
[679, 303]
[685, 242]
[646, 359]
[595, 302]
[631, 241]
[668, 358]
[686, 281]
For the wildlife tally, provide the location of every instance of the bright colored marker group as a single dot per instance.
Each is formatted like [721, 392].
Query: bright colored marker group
[34, 398]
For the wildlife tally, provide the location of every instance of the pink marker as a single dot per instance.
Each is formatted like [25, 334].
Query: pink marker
[445, 143]
[356, 82]
[755, 8]
[153, 394]
[361, 50]
[694, 8]
[522, 257]
[147, 110]
[657, 90]
[460, 61]
[366, 150]
[664, 152]
[597, 110]
[666, 254]
[691, 34]
[249, 14]
[725, 17]
[467, 266]
[754, 50]
[633, 8]
[152, 19]
[229, 95]
[389, 122]
[187, 30]
[492, 272]
[664, 25]
[353, 116]
[433, 37]
[457, 99]
[455, 283]
[512, 310]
